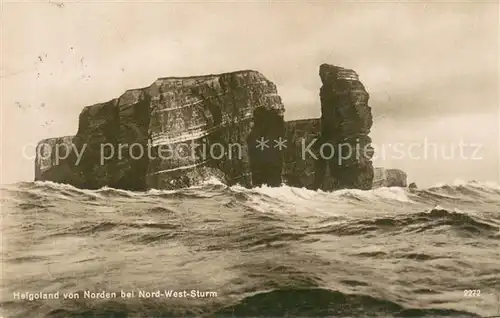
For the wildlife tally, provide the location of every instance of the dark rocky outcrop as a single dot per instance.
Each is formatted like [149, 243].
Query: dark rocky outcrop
[175, 133]
[53, 163]
[299, 166]
[180, 131]
[333, 152]
[346, 121]
[218, 112]
[266, 163]
[389, 178]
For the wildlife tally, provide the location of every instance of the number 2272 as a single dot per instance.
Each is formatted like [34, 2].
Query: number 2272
[472, 292]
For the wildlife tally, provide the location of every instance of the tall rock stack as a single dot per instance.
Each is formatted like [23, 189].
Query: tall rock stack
[346, 121]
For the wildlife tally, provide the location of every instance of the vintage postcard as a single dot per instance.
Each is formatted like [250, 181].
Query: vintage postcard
[250, 158]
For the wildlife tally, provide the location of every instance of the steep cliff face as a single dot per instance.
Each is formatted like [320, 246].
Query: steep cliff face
[55, 160]
[389, 178]
[346, 121]
[177, 132]
[207, 121]
[332, 152]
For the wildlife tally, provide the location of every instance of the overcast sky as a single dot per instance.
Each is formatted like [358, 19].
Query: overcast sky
[431, 68]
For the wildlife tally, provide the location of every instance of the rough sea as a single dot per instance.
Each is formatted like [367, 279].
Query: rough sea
[218, 251]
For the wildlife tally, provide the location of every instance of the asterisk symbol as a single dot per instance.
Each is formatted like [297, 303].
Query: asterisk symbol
[262, 143]
[280, 143]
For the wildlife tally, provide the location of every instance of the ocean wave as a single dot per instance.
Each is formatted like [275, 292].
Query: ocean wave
[461, 185]
[471, 189]
[89, 228]
[320, 302]
[434, 220]
[269, 251]
[284, 302]
[43, 195]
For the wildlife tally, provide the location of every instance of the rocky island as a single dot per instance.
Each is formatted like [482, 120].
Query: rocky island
[180, 131]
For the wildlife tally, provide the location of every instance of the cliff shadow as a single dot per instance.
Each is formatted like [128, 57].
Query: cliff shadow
[265, 152]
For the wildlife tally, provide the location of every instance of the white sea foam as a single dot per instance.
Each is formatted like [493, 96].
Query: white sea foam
[292, 194]
[393, 193]
[66, 187]
[159, 191]
[461, 182]
[437, 207]
[288, 194]
[212, 180]
[121, 191]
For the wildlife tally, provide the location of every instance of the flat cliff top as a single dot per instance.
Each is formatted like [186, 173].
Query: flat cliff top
[244, 75]
[133, 94]
[55, 139]
[207, 76]
[303, 120]
[329, 73]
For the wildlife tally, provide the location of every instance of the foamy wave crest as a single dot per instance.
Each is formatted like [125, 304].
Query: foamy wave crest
[383, 193]
[287, 200]
[57, 186]
[213, 181]
[113, 191]
[160, 192]
[393, 193]
[286, 192]
[462, 190]
[303, 196]
[487, 185]
[459, 182]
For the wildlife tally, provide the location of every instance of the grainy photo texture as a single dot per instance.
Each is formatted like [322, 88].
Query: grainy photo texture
[250, 159]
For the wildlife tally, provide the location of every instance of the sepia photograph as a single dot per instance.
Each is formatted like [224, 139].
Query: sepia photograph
[249, 158]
